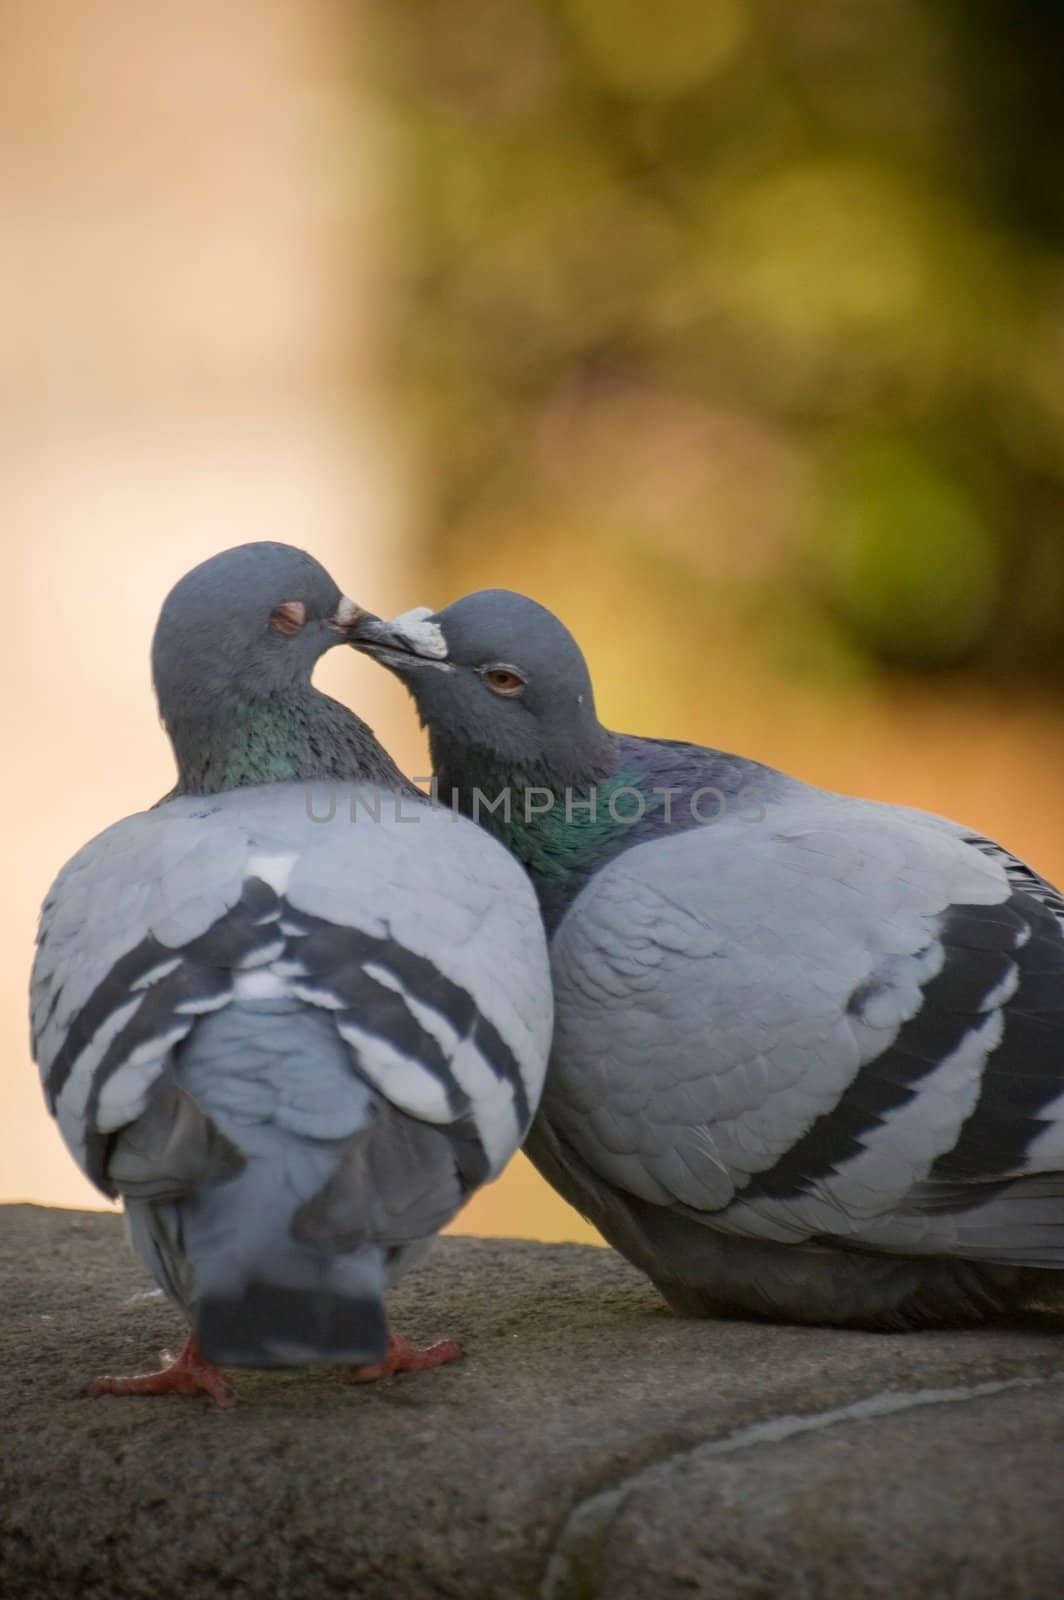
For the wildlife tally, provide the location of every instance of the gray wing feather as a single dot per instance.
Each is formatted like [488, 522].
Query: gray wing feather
[396, 1181]
[726, 994]
[178, 912]
[172, 1148]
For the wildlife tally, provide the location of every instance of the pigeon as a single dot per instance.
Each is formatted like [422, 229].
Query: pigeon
[808, 1061]
[294, 1015]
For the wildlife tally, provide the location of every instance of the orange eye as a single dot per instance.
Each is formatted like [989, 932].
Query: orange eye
[503, 680]
[289, 617]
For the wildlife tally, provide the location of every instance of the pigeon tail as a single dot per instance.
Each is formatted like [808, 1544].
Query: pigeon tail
[304, 1313]
[265, 1300]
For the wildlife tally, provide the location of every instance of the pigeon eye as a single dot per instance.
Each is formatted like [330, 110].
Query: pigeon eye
[503, 680]
[289, 617]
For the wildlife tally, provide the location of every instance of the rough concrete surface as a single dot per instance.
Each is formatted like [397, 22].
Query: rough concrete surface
[589, 1445]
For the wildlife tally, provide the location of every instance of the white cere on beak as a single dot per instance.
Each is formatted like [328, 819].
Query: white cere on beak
[346, 612]
[426, 638]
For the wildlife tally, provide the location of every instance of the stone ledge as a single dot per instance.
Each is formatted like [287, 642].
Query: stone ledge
[589, 1445]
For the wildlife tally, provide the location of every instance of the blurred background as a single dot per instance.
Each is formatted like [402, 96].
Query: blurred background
[732, 332]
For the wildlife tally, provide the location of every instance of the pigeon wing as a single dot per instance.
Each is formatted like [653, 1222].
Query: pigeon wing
[414, 934]
[844, 1021]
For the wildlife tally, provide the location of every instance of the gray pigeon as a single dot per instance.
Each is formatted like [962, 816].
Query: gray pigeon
[294, 1015]
[809, 1050]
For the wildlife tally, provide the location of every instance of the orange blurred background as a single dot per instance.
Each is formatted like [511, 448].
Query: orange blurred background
[190, 315]
[218, 323]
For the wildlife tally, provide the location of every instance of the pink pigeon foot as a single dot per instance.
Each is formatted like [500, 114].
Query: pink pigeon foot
[405, 1357]
[188, 1373]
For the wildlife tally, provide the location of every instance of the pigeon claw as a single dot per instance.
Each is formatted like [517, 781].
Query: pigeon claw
[406, 1357]
[188, 1373]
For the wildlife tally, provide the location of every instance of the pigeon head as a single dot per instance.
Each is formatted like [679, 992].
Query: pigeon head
[497, 673]
[251, 621]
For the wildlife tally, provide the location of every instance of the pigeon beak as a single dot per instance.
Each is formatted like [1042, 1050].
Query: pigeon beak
[370, 633]
[407, 640]
[347, 614]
